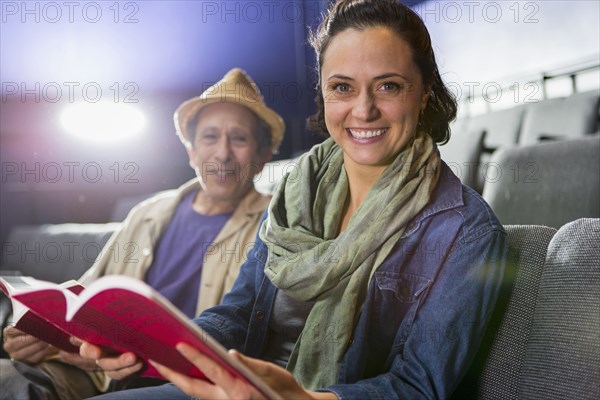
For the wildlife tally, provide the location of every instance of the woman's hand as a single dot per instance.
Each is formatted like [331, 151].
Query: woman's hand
[115, 367]
[25, 348]
[225, 386]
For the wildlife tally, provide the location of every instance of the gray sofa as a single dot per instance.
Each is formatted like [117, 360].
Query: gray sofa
[54, 252]
[544, 338]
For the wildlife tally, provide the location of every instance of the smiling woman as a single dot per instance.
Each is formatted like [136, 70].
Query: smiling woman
[374, 95]
[102, 121]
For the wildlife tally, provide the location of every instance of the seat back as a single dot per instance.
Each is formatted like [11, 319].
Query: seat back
[563, 118]
[563, 355]
[502, 127]
[473, 138]
[546, 184]
[462, 154]
[495, 371]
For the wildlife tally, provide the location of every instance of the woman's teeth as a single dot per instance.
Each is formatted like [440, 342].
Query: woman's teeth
[366, 133]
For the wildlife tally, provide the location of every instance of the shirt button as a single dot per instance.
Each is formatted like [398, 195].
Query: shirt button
[260, 314]
[146, 251]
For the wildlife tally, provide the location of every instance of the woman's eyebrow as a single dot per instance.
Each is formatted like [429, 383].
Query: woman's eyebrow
[340, 76]
[391, 75]
[378, 77]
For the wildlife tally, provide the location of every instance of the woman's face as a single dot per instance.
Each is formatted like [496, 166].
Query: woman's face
[373, 94]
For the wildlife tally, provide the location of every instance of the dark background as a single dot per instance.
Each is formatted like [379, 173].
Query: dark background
[152, 55]
[155, 54]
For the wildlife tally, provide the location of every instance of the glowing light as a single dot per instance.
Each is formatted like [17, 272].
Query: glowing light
[103, 122]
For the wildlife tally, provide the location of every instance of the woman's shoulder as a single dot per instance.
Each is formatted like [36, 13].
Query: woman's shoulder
[456, 207]
[478, 217]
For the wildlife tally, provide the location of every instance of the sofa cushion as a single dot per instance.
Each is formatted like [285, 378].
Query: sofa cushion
[54, 252]
[497, 367]
[546, 184]
[563, 355]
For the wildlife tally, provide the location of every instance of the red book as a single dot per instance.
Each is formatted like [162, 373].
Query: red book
[120, 314]
[31, 323]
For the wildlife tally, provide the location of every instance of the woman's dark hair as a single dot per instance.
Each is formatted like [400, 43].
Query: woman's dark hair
[363, 14]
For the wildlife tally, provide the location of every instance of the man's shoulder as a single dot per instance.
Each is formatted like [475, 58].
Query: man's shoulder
[163, 201]
[253, 203]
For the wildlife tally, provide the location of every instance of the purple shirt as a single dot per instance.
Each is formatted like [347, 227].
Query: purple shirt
[179, 254]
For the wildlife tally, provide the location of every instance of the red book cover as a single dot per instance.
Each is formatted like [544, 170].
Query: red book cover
[30, 323]
[124, 314]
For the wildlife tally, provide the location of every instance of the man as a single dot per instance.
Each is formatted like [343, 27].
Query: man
[187, 243]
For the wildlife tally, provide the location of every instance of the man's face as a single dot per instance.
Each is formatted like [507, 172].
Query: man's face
[224, 152]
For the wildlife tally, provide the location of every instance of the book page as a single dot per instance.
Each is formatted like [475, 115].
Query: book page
[27, 321]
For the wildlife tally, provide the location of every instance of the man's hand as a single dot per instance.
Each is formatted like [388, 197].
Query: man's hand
[23, 347]
[115, 367]
[76, 360]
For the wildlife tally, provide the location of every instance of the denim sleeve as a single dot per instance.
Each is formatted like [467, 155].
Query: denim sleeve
[432, 355]
[228, 322]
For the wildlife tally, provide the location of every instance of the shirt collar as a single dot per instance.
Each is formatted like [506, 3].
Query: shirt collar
[446, 196]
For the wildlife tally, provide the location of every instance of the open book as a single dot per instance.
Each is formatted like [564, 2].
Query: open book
[120, 314]
[31, 323]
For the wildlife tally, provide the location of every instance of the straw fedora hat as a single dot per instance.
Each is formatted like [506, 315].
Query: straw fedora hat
[235, 87]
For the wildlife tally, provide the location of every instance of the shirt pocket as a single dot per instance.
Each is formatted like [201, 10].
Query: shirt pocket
[400, 287]
[397, 298]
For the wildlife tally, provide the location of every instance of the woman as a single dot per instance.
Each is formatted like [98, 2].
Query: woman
[375, 271]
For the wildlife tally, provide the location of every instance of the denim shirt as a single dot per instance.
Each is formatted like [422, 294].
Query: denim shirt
[426, 309]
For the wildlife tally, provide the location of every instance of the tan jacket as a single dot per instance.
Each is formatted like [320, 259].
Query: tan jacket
[130, 250]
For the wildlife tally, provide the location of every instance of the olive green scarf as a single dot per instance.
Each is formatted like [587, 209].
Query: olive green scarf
[311, 262]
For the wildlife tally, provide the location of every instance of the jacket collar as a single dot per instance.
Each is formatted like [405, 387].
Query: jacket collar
[446, 196]
[246, 212]
[253, 203]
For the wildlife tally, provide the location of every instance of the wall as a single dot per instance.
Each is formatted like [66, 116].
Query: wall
[483, 45]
